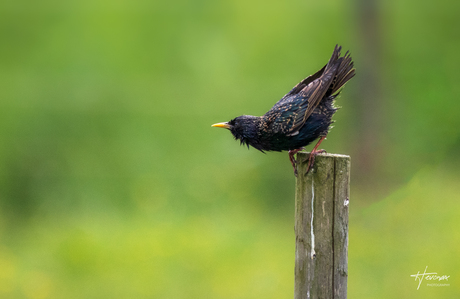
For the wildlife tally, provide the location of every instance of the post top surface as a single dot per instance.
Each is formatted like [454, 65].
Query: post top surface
[327, 155]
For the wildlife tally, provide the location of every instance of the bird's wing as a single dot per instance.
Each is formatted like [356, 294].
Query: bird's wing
[302, 84]
[310, 97]
[291, 112]
[297, 105]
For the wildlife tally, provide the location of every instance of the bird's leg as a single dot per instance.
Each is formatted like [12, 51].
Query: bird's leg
[292, 159]
[314, 152]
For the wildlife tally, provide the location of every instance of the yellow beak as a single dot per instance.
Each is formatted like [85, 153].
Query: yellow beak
[221, 125]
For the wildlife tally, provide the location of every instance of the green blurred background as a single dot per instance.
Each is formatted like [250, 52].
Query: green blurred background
[114, 185]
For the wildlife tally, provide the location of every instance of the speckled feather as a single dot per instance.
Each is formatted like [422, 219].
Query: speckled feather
[302, 115]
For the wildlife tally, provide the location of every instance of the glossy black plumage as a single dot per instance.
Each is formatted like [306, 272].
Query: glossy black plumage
[301, 116]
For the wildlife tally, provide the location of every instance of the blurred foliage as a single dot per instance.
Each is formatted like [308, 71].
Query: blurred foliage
[114, 185]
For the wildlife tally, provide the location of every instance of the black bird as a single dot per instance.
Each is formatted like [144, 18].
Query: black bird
[300, 117]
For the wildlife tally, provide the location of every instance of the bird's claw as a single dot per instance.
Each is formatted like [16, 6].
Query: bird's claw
[293, 160]
[311, 159]
[295, 168]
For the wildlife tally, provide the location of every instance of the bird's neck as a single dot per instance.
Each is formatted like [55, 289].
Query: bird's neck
[248, 132]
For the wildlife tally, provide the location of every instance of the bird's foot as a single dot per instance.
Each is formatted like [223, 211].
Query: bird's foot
[311, 159]
[292, 159]
[314, 152]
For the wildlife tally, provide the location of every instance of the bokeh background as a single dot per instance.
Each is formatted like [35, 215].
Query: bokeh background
[114, 185]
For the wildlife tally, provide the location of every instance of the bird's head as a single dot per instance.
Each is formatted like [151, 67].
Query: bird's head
[243, 128]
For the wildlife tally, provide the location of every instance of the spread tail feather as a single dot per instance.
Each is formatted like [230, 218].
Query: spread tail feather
[345, 71]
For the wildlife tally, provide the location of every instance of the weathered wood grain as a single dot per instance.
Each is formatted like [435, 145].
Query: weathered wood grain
[321, 227]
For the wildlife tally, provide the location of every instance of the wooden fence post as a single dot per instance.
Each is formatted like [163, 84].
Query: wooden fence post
[321, 227]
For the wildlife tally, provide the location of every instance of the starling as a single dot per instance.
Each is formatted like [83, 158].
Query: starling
[300, 117]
